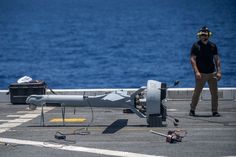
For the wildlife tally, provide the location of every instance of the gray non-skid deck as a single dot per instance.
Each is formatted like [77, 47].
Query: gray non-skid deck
[116, 131]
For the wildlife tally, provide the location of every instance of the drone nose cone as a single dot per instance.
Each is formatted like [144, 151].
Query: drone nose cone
[32, 107]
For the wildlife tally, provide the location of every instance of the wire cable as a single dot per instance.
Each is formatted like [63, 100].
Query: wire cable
[82, 131]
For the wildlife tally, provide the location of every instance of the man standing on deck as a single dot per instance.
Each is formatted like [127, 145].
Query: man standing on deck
[206, 65]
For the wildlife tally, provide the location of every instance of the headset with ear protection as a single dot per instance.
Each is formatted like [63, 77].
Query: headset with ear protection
[204, 30]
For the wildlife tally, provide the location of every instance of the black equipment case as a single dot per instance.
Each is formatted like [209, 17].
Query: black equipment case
[20, 91]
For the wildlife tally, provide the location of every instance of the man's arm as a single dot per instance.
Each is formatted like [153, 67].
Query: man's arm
[218, 66]
[194, 65]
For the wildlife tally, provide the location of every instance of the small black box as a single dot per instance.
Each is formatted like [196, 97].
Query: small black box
[20, 91]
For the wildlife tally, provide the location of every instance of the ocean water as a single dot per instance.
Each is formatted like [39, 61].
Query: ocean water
[111, 43]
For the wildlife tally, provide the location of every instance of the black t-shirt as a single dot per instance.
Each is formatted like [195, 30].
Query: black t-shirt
[204, 56]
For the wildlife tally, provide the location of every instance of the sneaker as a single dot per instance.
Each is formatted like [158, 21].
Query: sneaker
[215, 114]
[191, 113]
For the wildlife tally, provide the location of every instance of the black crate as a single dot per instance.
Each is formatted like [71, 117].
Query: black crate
[20, 91]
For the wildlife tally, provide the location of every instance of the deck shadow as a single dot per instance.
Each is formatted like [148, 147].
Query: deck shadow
[116, 126]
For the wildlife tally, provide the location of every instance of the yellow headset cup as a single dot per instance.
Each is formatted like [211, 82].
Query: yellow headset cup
[201, 33]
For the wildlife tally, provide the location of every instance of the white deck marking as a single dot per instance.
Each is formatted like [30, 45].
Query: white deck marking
[4, 120]
[37, 111]
[9, 125]
[75, 148]
[3, 130]
[29, 115]
[172, 109]
[13, 116]
[19, 120]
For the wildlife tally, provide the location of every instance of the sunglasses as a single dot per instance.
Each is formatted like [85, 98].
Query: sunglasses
[204, 35]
